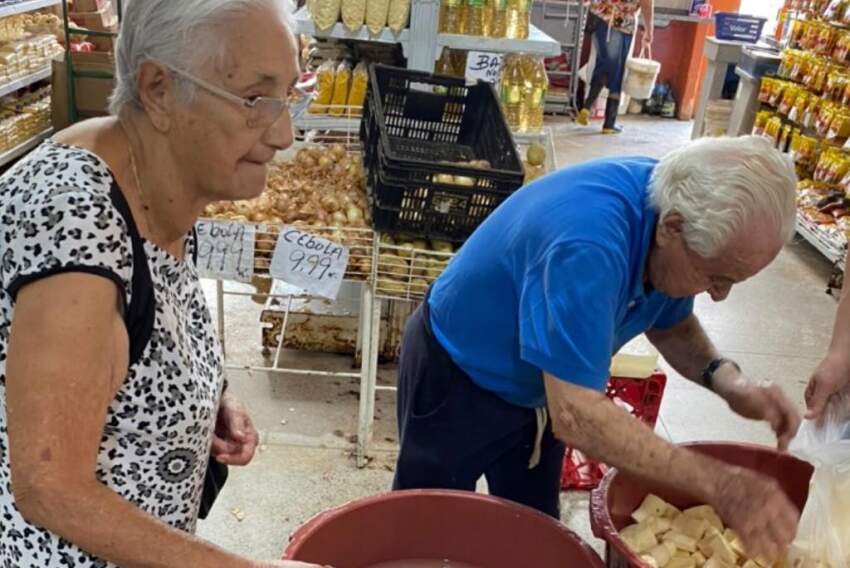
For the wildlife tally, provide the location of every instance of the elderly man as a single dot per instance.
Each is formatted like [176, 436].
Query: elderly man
[508, 358]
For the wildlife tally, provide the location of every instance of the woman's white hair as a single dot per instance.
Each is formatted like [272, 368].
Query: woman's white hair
[185, 34]
[720, 184]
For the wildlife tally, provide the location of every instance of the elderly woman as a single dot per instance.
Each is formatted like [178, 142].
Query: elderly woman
[508, 359]
[111, 377]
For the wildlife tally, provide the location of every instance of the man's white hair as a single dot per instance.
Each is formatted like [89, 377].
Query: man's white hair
[185, 34]
[718, 185]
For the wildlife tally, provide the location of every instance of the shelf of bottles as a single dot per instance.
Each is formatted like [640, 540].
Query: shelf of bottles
[806, 112]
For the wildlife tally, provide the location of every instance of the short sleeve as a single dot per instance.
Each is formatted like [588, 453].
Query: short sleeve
[568, 307]
[68, 230]
[674, 313]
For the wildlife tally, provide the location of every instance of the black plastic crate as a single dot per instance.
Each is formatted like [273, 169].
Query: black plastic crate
[416, 127]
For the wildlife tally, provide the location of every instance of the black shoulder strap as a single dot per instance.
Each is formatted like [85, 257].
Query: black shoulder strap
[139, 315]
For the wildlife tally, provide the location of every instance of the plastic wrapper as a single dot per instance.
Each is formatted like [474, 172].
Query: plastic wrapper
[357, 93]
[325, 76]
[325, 13]
[342, 82]
[822, 538]
[399, 13]
[376, 15]
[354, 14]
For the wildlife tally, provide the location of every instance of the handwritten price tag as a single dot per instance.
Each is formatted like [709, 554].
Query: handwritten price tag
[315, 264]
[484, 65]
[226, 250]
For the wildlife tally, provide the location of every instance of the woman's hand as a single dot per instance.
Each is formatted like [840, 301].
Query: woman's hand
[831, 377]
[289, 564]
[235, 439]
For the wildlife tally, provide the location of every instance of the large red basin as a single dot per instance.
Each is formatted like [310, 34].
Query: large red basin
[433, 524]
[619, 494]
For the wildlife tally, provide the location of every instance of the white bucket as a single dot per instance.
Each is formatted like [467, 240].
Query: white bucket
[641, 74]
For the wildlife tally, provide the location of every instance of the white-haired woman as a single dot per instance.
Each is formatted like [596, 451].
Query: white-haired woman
[508, 358]
[111, 377]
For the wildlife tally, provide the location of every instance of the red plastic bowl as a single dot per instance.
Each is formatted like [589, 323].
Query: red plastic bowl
[619, 494]
[434, 524]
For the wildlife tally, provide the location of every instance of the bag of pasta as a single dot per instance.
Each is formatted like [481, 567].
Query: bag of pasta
[825, 523]
[376, 15]
[325, 13]
[359, 84]
[342, 83]
[398, 15]
[353, 14]
[324, 87]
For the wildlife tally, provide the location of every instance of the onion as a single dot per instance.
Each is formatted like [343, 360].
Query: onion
[339, 218]
[354, 214]
[330, 204]
[338, 151]
[325, 163]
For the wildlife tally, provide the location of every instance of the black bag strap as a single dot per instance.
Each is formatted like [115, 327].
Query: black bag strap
[140, 314]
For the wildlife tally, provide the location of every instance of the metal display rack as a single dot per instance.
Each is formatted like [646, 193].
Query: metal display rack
[422, 44]
[565, 21]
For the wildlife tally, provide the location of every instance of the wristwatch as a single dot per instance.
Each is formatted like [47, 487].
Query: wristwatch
[707, 374]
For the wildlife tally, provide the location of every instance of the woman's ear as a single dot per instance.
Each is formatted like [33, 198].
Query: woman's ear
[157, 94]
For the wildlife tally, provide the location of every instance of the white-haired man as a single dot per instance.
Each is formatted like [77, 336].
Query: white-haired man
[507, 359]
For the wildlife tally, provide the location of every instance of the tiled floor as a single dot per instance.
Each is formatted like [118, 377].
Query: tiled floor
[776, 326]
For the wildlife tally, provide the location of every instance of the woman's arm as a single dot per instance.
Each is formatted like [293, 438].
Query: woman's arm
[647, 10]
[833, 373]
[66, 362]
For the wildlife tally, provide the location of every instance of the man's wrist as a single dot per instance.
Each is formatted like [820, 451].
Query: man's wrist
[721, 375]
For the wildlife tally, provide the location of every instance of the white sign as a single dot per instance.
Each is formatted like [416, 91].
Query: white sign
[226, 250]
[484, 65]
[315, 264]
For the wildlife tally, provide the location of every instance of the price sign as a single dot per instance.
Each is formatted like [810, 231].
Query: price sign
[226, 250]
[315, 264]
[484, 65]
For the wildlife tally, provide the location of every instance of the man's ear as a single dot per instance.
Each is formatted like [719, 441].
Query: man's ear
[669, 229]
[157, 94]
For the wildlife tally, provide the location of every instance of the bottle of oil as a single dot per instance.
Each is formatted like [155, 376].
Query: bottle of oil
[536, 86]
[497, 13]
[512, 87]
[517, 19]
[476, 21]
[452, 14]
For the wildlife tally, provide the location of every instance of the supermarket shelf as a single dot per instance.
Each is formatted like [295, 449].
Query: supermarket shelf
[22, 149]
[26, 6]
[306, 26]
[538, 43]
[820, 240]
[309, 121]
[25, 81]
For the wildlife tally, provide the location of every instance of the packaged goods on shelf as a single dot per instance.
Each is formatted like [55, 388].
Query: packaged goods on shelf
[524, 84]
[325, 13]
[399, 14]
[377, 12]
[490, 18]
[23, 116]
[353, 14]
[27, 45]
[340, 91]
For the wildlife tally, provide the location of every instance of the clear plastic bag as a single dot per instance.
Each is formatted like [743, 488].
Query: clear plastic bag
[823, 539]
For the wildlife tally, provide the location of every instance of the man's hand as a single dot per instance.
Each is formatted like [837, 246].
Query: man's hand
[759, 401]
[235, 439]
[758, 510]
[831, 377]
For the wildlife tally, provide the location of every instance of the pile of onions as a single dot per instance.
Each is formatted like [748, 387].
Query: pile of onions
[322, 186]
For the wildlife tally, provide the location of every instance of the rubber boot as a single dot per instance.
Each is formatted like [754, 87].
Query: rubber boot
[612, 108]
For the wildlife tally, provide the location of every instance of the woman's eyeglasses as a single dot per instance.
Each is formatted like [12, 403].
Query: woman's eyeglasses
[263, 111]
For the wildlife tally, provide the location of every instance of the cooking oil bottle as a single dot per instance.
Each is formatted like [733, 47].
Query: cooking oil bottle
[476, 20]
[452, 14]
[512, 91]
[497, 13]
[517, 19]
[536, 86]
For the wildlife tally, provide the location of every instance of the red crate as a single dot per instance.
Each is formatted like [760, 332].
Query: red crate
[641, 397]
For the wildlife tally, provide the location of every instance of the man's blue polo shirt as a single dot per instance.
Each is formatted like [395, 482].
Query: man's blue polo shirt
[553, 280]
